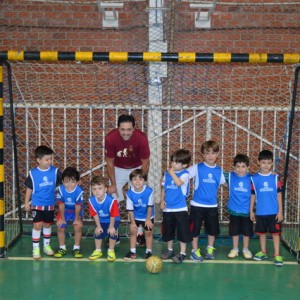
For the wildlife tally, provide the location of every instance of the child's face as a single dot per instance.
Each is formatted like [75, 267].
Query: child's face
[99, 191]
[138, 183]
[45, 162]
[210, 157]
[70, 183]
[241, 169]
[177, 166]
[265, 165]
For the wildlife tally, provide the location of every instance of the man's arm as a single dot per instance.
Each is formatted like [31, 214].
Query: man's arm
[111, 174]
[145, 165]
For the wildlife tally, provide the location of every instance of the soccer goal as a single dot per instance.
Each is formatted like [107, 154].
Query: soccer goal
[71, 105]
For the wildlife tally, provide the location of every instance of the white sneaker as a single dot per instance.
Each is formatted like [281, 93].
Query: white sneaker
[233, 253]
[247, 254]
[48, 250]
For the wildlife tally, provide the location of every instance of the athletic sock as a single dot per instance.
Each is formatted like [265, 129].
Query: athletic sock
[47, 236]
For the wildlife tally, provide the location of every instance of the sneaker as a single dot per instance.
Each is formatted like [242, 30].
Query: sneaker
[141, 240]
[95, 255]
[36, 253]
[167, 254]
[130, 255]
[260, 256]
[247, 254]
[48, 250]
[179, 258]
[233, 253]
[196, 256]
[77, 253]
[148, 254]
[60, 253]
[111, 256]
[278, 261]
[210, 253]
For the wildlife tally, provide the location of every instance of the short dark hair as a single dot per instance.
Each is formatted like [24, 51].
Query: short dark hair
[41, 151]
[265, 154]
[71, 173]
[210, 145]
[126, 119]
[97, 180]
[241, 158]
[138, 173]
[181, 156]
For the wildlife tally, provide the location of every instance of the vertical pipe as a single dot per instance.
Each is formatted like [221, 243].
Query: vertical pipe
[2, 206]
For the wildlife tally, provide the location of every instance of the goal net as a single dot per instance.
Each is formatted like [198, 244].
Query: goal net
[71, 106]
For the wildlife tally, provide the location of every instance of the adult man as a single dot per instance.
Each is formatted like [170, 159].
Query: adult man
[126, 149]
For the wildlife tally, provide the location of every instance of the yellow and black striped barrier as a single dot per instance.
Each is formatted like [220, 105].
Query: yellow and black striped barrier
[181, 57]
[2, 206]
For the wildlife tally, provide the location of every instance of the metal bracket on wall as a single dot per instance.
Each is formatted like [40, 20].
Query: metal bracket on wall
[204, 11]
[110, 16]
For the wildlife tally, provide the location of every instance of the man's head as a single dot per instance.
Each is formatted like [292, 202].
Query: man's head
[126, 125]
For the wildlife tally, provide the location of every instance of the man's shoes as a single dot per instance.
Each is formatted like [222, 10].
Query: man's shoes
[60, 253]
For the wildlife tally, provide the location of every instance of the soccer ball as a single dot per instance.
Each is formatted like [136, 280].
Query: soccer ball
[154, 264]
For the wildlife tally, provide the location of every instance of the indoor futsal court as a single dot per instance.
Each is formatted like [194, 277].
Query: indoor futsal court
[188, 71]
[70, 278]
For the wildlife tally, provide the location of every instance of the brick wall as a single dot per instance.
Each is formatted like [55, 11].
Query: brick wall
[237, 26]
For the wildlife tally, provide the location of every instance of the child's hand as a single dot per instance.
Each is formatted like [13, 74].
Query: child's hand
[148, 224]
[279, 217]
[98, 230]
[162, 204]
[252, 216]
[112, 231]
[60, 223]
[27, 207]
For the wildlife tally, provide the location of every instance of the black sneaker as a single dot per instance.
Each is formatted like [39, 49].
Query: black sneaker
[167, 254]
[130, 255]
[179, 258]
[148, 254]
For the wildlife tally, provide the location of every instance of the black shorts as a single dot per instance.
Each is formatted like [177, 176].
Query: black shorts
[138, 223]
[266, 224]
[208, 215]
[45, 216]
[240, 225]
[176, 221]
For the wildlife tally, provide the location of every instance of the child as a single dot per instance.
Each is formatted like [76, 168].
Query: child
[139, 204]
[40, 187]
[207, 178]
[70, 200]
[239, 186]
[105, 211]
[266, 193]
[173, 203]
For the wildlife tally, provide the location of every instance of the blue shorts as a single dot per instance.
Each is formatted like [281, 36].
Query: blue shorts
[105, 234]
[68, 217]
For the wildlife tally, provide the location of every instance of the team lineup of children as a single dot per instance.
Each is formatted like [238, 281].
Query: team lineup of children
[259, 193]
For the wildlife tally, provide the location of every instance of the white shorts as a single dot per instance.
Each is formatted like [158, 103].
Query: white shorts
[122, 177]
